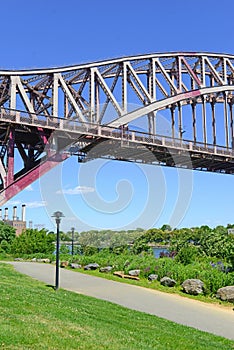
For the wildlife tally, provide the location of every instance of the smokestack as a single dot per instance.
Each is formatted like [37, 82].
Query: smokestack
[0, 214]
[6, 214]
[23, 212]
[14, 213]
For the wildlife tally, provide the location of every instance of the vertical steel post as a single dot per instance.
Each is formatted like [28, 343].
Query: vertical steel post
[10, 157]
[194, 122]
[55, 95]
[231, 122]
[213, 121]
[173, 121]
[180, 121]
[57, 255]
[72, 230]
[92, 95]
[204, 120]
[226, 119]
[124, 87]
[57, 215]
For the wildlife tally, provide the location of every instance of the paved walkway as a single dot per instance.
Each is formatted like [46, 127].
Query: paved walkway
[206, 317]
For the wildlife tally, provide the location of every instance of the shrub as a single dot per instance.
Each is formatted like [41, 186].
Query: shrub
[33, 241]
[187, 254]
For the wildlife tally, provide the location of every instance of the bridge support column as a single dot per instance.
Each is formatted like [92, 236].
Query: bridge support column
[204, 120]
[194, 122]
[226, 119]
[10, 158]
[172, 109]
[151, 124]
[213, 121]
[231, 122]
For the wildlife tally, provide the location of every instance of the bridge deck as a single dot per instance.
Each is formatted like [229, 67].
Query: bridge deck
[90, 141]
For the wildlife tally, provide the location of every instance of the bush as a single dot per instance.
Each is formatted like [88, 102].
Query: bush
[7, 235]
[5, 247]
[31, 242]
[187, 254]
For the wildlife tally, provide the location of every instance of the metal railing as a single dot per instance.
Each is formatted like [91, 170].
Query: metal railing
[105, 131]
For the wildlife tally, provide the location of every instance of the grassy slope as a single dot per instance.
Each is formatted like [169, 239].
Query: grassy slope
[34, 316]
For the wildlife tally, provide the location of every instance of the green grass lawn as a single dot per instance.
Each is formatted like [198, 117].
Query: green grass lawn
[34, 316]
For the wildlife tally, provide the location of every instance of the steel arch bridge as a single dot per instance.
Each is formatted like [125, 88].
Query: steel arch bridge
[183, 103]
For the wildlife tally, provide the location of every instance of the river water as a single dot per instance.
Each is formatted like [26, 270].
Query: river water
[158, 250]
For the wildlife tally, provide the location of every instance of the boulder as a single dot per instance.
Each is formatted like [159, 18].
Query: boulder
[18, 259]
[43, 260]
[75, 266]
[226, 293]
[92, 266]
[152, 277]
[134, 272]
[167, 282]
[34, 259]
[64, 264]
[105, 269]
[193, 286]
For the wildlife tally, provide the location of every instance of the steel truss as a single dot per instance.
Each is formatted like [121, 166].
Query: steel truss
[45, 111]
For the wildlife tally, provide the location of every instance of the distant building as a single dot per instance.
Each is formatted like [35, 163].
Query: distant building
[19, 225]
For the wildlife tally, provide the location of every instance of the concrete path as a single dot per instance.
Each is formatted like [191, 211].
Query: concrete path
[206, 317]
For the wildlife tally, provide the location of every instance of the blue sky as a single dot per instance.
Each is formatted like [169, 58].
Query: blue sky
[117, 195]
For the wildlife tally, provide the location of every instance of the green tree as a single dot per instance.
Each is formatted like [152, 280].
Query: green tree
[7, 235]
[166, 227]
[32, 241]
[218, 244]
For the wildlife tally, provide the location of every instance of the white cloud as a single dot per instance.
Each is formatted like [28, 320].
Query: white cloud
[76, 190]
[35, 204]
[13, 203]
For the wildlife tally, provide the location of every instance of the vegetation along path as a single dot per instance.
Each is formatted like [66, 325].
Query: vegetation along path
[206, 317]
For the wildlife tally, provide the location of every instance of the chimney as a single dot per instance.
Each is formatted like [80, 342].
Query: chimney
[6, 214]
[14, 213]
[0, 214]
[23, 212]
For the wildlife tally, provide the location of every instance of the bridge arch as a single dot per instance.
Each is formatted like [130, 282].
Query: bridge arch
[43, 111]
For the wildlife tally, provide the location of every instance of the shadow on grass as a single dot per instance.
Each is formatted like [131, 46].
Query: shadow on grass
[50, 286]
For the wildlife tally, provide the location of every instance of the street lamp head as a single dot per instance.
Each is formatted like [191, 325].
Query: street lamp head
[58, 215]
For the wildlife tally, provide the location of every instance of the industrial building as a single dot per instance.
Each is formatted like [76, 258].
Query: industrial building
[18, 224]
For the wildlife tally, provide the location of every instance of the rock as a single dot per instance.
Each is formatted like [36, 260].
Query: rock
[122, 275]
[93, 266]
[34, 259]
[226, 293]
[75, 266]
[152, 277]
[105, 269]
[64, 264]
[134, 272]
[18, 259]
[193, 286]
[167, 282]
[45, 260]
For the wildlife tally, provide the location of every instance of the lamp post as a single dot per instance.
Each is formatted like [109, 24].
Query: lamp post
[72, 230]
[57, 215]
